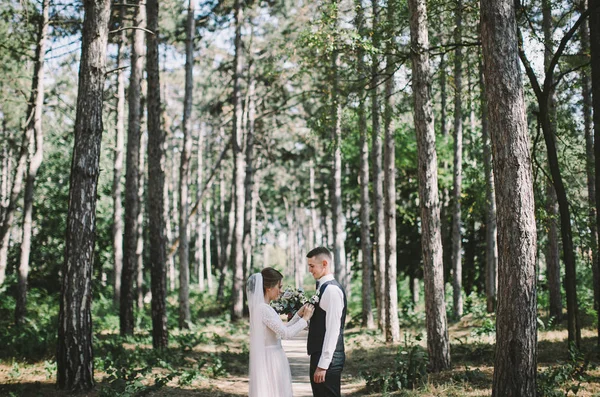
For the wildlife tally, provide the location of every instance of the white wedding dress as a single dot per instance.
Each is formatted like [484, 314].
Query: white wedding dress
[270, 374]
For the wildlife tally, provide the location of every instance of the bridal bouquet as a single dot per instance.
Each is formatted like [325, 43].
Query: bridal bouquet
[290, 301]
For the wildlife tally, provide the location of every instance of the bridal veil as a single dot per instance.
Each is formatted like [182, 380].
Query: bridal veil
[260, 385]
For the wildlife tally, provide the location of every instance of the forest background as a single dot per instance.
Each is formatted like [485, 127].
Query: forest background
[248, 132]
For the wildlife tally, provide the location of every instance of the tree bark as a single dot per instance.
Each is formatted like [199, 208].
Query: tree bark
[553, 252]
[365, 204]
[544, 94]
[75, 363]
[315, 234]
[237, 301]
[140, 222]
[156, 183]
[117, 229]
[170, 178]
[392, 329]
[133, 173]
[377, 160]
[184, 173]
[7, 170]
[37, 137]
[199, 254]
[553, 255]
[438, 345]
[594, 41]
[248, 242]
[339, 253]
[207, 247]
[491, 224]
[457, 180]
[516, 321]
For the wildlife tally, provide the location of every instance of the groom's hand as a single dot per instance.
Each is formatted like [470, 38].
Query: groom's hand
[320, 375]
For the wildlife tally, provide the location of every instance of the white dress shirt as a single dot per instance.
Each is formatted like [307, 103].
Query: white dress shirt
[332, 302]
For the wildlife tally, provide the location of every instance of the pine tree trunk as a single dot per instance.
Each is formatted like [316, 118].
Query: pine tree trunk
[117, 229]
[199, 254]
[594, 22]
[248, 242]
[170, 178]
[365, 204]
[457, 181]
[336, 169]
[7, 171]
[207, 247]
[74, 359]
[586, 88]
[516, 321]
[544, 95]
[316, 238]
[552, 253]
[184, 173]
[222, 238]
[392, 329]
[133, 174]
[37, 141]
[377, 160]
[140, 223]
[156, 184]
[237, 251]
[438, 345]
[491, 224]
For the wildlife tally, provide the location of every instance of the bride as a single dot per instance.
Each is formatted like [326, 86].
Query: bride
[269, 367]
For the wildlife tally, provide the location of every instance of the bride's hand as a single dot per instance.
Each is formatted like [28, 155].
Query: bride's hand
[308, 311]
[301, 310]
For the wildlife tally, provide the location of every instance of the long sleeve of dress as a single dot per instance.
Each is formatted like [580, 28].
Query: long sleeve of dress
[273, 322]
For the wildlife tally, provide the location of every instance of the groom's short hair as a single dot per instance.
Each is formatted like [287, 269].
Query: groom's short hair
[320, 251]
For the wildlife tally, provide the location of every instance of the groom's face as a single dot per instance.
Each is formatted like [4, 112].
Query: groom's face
[317, 266]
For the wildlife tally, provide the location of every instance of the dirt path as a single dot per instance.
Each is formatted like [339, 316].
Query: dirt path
[296, 351]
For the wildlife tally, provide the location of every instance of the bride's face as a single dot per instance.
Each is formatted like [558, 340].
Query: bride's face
[274, 292]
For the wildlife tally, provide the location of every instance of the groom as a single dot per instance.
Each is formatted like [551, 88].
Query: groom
[326, 330]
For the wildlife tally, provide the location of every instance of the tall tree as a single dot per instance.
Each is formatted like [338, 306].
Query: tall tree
[544, 94]
[156, 183]
[516, 321]
[237, 255]
[377, 159]
[491, 224]
[133, 173]
[438, 345]
[341, 273]
[74, 358]
[552, 249]
[199, 253]
[184, 172]
[392, 329]
[365, 203]
[117, 229]
[594, 22]
[586, 93]
[248, 242]
[457, 175]
[37, 137]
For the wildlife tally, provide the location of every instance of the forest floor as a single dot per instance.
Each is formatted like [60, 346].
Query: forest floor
[211, 361]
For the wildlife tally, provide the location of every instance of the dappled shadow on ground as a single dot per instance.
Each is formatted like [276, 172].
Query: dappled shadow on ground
[39, 389]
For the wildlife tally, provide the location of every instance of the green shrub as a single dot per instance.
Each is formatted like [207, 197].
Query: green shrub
[564, 378]
[409, 371]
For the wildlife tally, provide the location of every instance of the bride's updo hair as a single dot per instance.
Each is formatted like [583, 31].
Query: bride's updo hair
[271, 278]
